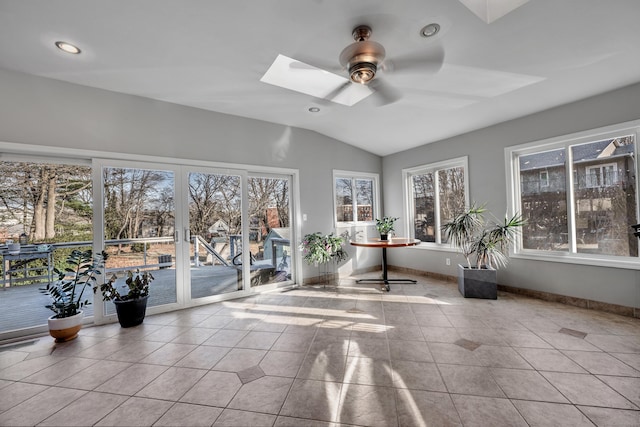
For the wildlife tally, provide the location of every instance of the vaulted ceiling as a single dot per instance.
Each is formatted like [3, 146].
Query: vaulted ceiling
[213, 55]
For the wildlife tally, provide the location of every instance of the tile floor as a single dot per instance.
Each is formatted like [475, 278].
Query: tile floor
[337, 356]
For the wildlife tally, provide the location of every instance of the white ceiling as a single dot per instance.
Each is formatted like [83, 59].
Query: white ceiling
[211, 55]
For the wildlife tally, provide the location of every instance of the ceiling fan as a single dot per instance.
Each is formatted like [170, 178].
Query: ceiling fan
[364, 59]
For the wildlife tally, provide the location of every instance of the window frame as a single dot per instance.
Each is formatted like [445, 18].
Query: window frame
[409, 206]
[353, 176]
[566, 142]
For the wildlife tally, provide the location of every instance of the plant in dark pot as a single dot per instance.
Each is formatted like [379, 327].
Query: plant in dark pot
[68, 293]
[488, 243]
[385, 226]
[131, 306]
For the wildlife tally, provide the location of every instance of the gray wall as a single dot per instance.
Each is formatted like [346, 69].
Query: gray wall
[485, 149]
[47, 112]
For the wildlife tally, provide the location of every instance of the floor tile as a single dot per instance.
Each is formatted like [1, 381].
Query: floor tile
[549, 360]
[587, 390]
[323, 366]
[615, 343]
[28, 367]
[367, 405]
[417, 351]
[500, 357]
[86, 410]
[282, 363]
[258, 340]
[610, 417]
[136, 411]
[451, 353]
[40, 406]
[185, 414]
[203, 357]
[526, 385]
[298, 422]
[406, 332]
[172, 383]
[60, 371]
[474, 380]
[310, 399]
[371, 348]
[599, 363]
[215, 388]
[266, 395]
[424, 408]
[226, 338]
[135, 351]
[132, 379]
[628, 387]
[321, 356]
[168, 354]
[367, 371]
[562, 341]
[487, 411]
[416, 375]
[631, 359]
[293, 342]
[544, 414]
[16, 393]
[95, 375]
[234, 418]
[194, 336]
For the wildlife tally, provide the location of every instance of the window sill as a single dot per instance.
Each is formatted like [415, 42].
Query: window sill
[611, 262]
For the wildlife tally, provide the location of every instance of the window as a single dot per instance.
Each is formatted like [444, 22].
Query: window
[544, 179]
[436, 193]
[601, 175]
[355, 196]
[578, 195]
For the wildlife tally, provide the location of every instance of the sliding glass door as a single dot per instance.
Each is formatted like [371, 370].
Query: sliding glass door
[140, 234]
[215, 247]
[270, 229]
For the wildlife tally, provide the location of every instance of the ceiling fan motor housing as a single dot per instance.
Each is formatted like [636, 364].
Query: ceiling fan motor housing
[362, 57]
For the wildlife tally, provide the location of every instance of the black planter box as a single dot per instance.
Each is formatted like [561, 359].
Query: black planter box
[477, 283]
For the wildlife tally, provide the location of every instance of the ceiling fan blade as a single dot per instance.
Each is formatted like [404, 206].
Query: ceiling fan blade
[429, 61]
[337, 91]
[385, 94]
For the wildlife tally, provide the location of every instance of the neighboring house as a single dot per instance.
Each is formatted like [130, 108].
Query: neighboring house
[603, 175]
[278, 239]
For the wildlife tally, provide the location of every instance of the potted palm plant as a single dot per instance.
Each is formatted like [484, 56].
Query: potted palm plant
[488, 243]
[68, 294]
[130, 300]
[385, 226]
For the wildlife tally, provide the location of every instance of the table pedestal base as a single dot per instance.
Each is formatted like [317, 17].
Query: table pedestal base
[385, 277]
[386, 282]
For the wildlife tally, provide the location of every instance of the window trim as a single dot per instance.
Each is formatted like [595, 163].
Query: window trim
[408, 201]
[566, 142]
[354, 176]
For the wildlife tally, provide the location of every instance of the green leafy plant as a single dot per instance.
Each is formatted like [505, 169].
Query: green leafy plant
[386, 224]
[68, 291]
[137, 284]
[320, 249]
[490, 244]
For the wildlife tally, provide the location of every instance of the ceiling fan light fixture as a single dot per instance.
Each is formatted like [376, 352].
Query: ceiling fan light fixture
[362, 72]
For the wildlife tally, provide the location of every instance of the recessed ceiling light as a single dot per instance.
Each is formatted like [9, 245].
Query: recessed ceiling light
[314, 109]
[430, 30]
[68, 47]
